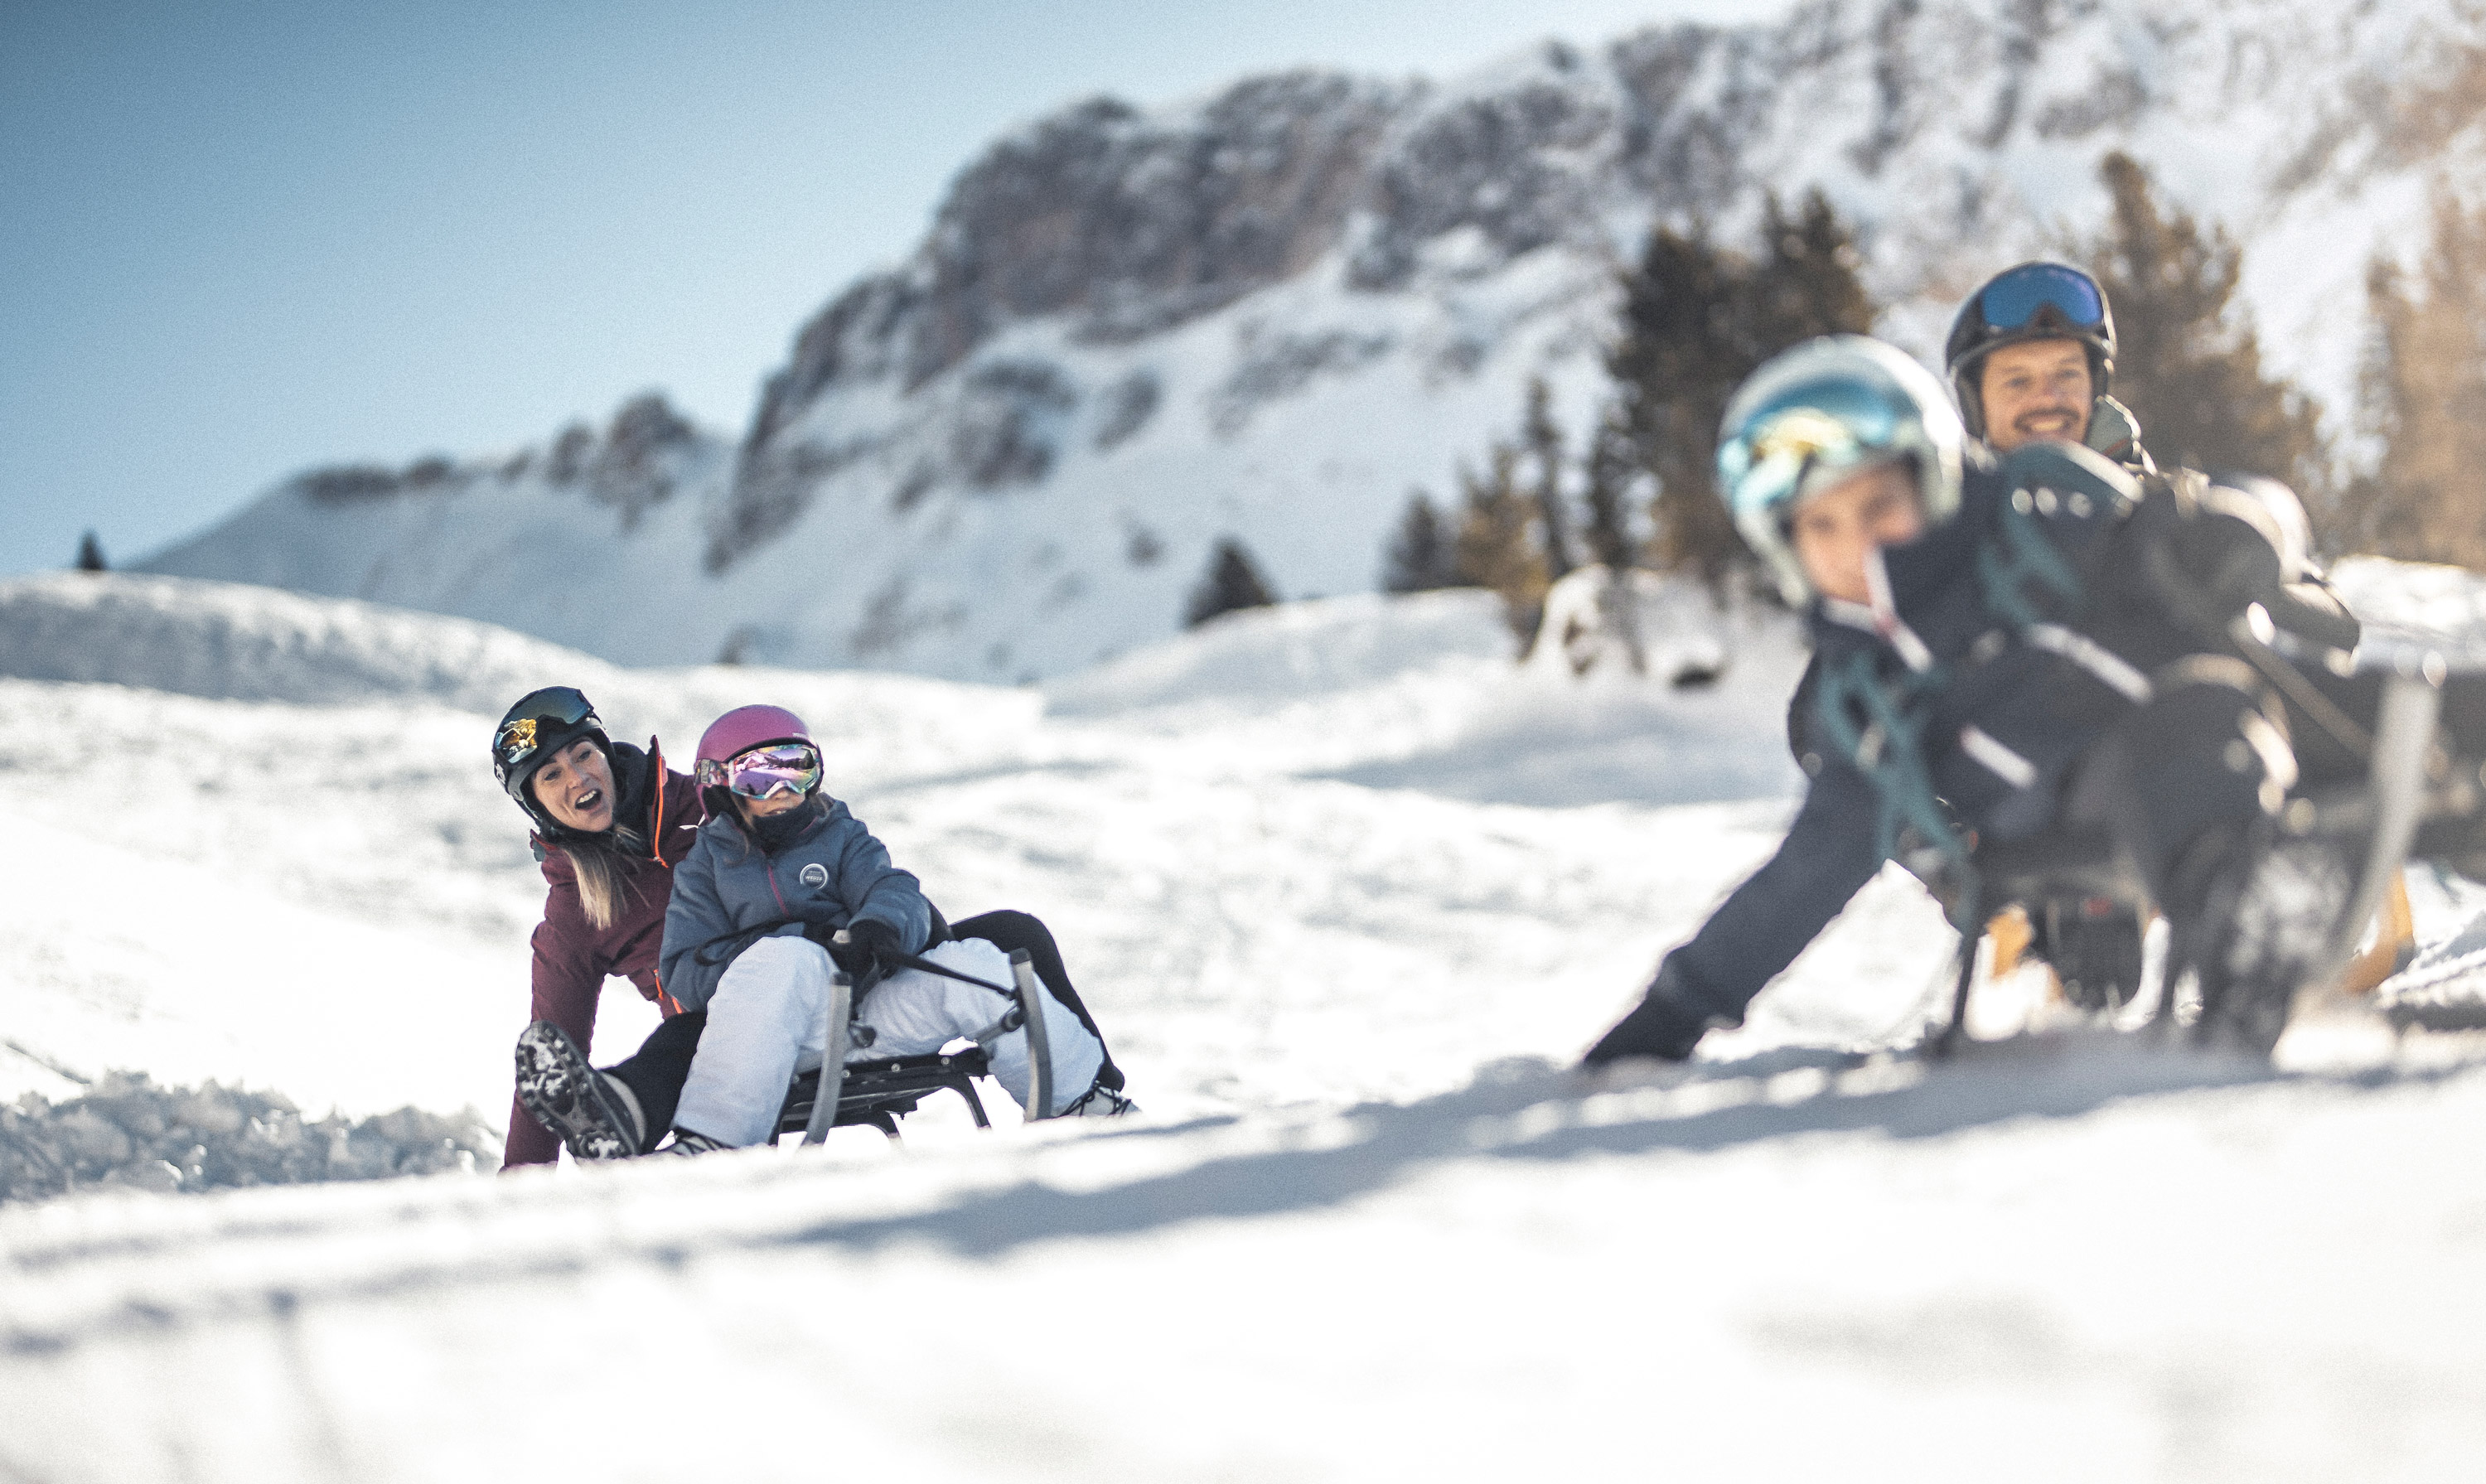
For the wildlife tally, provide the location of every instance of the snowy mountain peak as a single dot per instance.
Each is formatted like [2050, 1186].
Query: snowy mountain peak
[1266, 315]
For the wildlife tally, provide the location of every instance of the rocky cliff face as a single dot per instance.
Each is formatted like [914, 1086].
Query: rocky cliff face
[1268, 315]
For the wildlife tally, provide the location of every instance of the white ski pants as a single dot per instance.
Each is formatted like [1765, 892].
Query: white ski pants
[767, 1022]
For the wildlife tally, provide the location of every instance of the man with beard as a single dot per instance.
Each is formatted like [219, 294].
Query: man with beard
[2030, 357]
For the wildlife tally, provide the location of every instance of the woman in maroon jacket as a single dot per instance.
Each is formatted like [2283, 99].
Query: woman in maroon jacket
[611, 823]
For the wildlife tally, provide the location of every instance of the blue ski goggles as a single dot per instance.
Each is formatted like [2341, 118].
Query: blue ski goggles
[1787, 448]
[2019, 298]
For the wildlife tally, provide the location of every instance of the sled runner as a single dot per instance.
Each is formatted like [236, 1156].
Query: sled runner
[2370, 826]
[878, 1092]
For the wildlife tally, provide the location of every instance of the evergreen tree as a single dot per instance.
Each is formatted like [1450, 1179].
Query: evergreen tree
[2187, 361]
[90, 557]
[1544, 443]
[1611, 471]
[1421, 559]
[1807, 284]
[2423, 401]
[1233, 582]
[1494, 546]
[1697, 318]
[1675, 365]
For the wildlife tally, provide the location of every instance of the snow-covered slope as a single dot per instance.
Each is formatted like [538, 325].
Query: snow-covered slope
[298, 875]
[1268, 313]
[2050, 1270]
[1366, 1228]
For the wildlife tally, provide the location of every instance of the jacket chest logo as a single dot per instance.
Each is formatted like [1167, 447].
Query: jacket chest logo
[813, 875]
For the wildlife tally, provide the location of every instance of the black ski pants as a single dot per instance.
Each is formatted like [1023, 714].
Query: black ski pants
[2217, 746]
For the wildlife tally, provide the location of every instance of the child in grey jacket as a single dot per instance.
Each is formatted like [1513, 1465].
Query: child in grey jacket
[778, 868]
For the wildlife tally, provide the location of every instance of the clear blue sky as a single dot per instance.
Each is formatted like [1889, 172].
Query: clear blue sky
[239, 239]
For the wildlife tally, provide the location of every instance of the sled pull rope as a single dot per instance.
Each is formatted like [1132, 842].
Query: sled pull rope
[913, 961]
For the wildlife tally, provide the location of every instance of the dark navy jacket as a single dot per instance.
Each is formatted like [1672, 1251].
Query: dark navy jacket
[1989, 638]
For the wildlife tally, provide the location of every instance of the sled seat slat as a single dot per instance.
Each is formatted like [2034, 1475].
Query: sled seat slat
[876, 1094]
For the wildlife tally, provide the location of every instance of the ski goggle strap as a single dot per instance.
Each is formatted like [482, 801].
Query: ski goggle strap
[763, 771]
[537, 718]
[1822, 429]
[2015, 300]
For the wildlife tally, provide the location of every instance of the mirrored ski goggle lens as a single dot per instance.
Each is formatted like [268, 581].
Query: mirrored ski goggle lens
[1814, 430]
[764, 771]
[2013, 300]
[548, 712]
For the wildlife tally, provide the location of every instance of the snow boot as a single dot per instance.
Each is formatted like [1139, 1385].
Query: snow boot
[2094, 945]
[593, 1115]
[1099, 1102]
[688, 1144]
[2269, 925]
[1663, 1025]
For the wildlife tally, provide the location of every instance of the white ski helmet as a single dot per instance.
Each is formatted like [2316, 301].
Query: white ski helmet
[1812, 416]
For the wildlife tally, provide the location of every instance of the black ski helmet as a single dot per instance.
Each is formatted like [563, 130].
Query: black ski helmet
[537, 726]
[2032, 301]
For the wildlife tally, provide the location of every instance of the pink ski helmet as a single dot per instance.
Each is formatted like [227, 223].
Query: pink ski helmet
[738, 731]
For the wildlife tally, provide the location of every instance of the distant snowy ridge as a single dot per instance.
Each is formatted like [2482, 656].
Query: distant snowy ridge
[1267, 314]
[233, 642]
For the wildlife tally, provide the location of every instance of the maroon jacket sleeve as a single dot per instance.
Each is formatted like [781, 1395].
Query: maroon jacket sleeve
[569, 971]
[572, 959]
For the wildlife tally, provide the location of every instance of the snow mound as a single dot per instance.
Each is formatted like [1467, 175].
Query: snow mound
[2444, 987]
[1644, 623]
[2412, 607]
[1294, 651]
[1423, 692]
[125, 1132]
[232, 642]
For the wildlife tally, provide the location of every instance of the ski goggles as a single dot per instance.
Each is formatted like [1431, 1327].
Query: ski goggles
[763, 771]
[1784, 451]
[2019, 297]
[537, 718]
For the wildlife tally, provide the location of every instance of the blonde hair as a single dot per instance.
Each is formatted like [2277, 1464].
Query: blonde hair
[604, 887]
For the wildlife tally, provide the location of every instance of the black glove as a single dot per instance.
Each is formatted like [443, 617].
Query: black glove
[2233, 563]
[871, 949]
[1665, 1024]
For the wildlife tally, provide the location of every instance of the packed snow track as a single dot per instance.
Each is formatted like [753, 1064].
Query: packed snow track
[1348, 892]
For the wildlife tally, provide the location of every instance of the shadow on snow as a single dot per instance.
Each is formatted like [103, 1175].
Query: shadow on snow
[1530, 1110]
